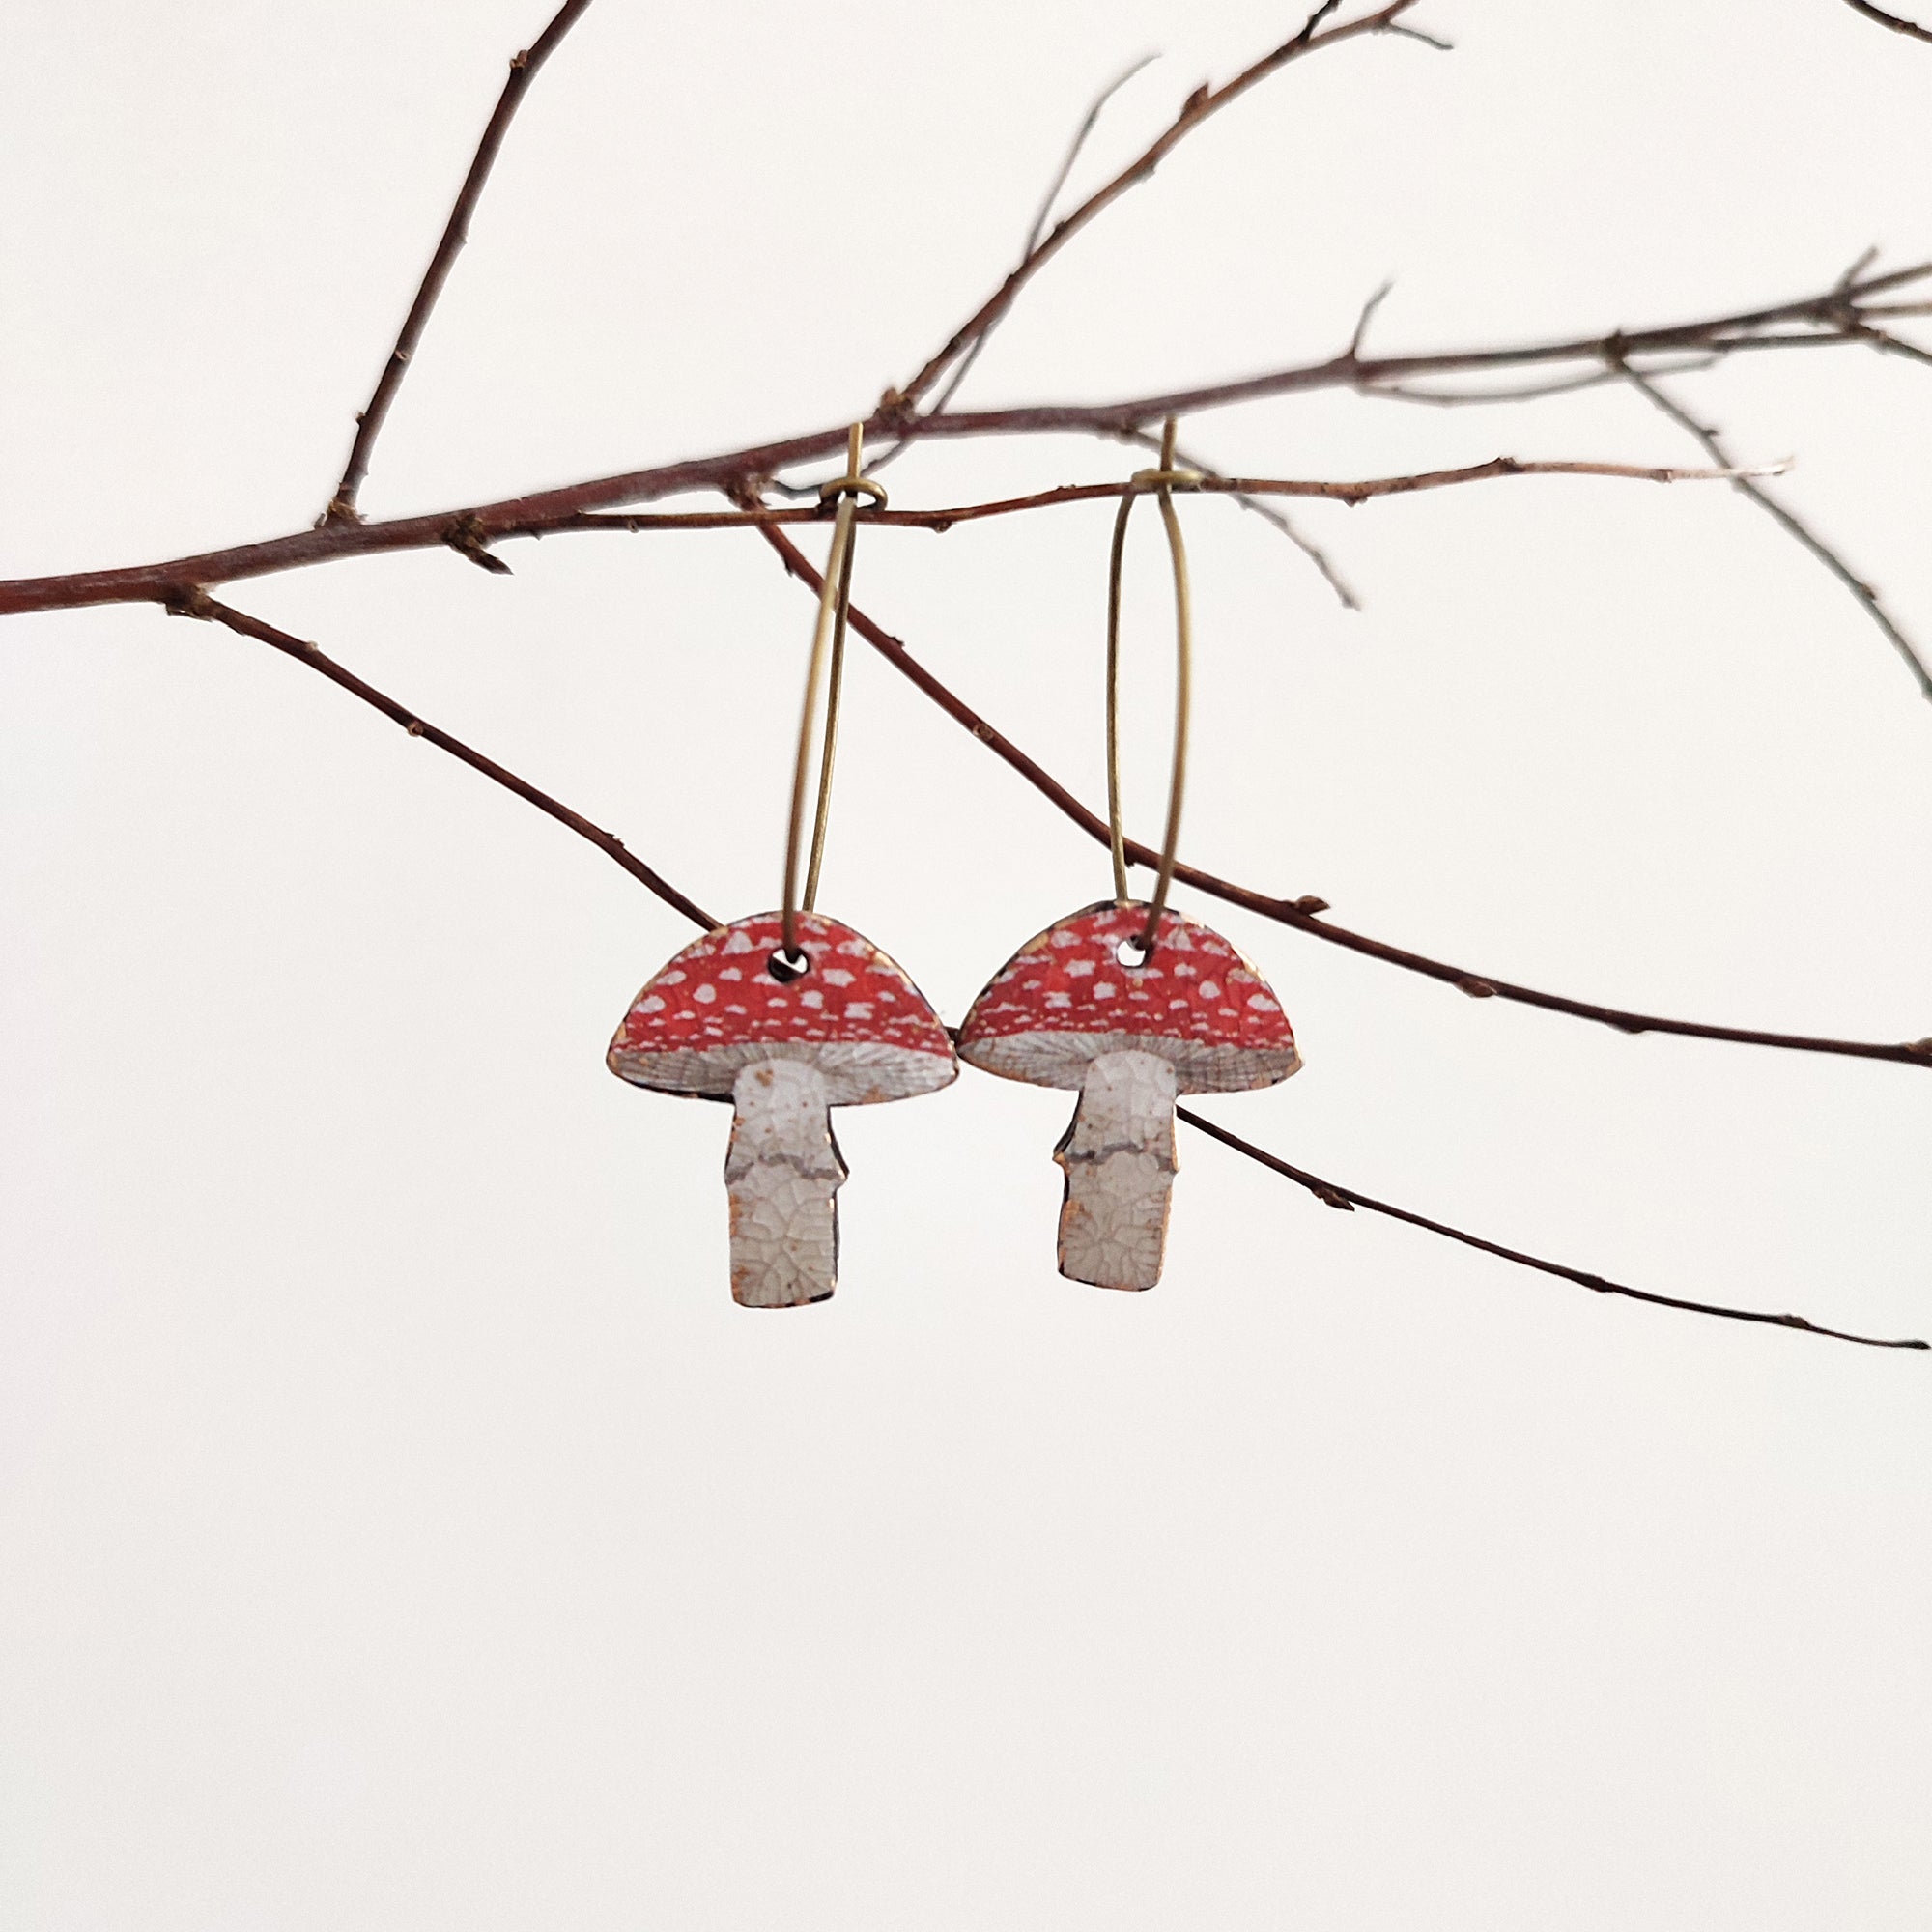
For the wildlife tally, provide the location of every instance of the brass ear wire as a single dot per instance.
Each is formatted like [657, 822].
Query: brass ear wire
[1162, 482]
[834, 598]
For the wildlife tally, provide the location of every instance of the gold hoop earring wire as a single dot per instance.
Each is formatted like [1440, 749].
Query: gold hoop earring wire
[834, 598]
[1162, 482]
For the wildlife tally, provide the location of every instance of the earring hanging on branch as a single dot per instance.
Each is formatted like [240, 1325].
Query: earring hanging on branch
[1128, 1002]
[788, 1014]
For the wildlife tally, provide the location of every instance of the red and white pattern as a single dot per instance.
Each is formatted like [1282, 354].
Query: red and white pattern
[1067, 995]
[718, 1005]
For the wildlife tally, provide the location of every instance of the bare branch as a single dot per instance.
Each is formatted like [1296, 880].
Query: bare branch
[963, 368]
[1367, 315]
[1532, 392]
[1435, 41]
[1849, 279]
[1344, 592]
[469, 533]
[1866, 596]
[1831, 318]
[197, 603]
[1892, 21]
[1199, 106]
[1896, 345]
[1303, 914]
[1333, 1196]
[369, 424]
[1243, 489]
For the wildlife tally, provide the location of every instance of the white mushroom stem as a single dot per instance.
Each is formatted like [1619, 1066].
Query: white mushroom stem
[1119, 1157]
[781, 1171]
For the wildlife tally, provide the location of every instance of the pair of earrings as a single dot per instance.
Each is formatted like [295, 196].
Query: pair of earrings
[789, 1015]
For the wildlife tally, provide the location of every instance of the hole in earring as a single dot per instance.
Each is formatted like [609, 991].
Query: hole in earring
[785, 967]
[1132, 952]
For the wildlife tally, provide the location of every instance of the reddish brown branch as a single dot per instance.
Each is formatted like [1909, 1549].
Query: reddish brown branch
[1892, 21]
[963, 367]
[469, 532]
[1211, 484]
[1198, 107]
[1303, 914]
[1344, 591]
[369, 424]
[1334, 1196]
[196, 604]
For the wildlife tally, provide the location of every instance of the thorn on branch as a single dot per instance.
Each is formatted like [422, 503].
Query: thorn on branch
[466, 538]
[193, 601]
[1314, 20]
[1367, 315]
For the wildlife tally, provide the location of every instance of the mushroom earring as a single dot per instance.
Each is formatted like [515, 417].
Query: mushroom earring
[1129, 1003]
[788, 1014]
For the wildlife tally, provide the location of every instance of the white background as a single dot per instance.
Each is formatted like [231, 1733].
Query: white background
[403, 1528]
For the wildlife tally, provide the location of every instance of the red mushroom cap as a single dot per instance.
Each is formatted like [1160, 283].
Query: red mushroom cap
[719, 1008]
[1065, 998]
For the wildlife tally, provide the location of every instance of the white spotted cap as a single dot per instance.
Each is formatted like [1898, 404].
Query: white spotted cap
[718, 1007]
[1066, 997]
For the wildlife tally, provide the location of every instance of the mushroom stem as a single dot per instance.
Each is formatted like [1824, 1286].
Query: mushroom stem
[1119, 1159]
[781, 1171]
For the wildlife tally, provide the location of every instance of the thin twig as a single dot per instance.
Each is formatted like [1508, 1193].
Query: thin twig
[1367, 315]
[472, 531]
[1893, 345]
[192, 603]
[1344, 592]
[1746, 486]
[369, 424]
[964, 367]
[1533, 392]
[1332, 1195]
[1248, 490]
[1303, 914]
[1199, 106]
[1892, 21]
[1832, 318]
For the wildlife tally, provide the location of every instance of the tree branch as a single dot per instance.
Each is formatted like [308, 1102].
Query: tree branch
[369, 424]
[1334, 1196]
[1303, 914]
[1344, 591]
[470, 531]
[1200, 105]
[1746, 486]
[1892, 21]
[197, 603]
[964, 366]
[1242, 488]
[1835, 317]
[1530, 392]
